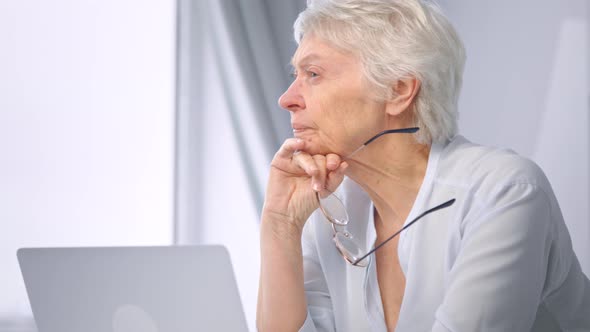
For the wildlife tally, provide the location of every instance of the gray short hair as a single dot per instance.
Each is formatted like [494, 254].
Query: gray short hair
[396, 39]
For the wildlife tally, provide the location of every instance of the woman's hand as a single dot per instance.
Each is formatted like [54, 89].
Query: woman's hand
[295, 177]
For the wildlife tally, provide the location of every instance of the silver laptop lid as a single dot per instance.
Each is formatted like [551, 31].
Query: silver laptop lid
[132, 289]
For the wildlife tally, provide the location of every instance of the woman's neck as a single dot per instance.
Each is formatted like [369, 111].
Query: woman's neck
[391, 170]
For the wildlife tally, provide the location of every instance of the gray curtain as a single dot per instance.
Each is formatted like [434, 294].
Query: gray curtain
[253, 43]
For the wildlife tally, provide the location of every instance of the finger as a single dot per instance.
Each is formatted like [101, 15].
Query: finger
[306, 163]
[289, 147]
[333, 161]
[319, 179]
[334, 178]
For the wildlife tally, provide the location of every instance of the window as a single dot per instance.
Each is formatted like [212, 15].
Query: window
[86, 130]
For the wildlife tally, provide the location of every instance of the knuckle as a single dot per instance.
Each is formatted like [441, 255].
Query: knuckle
[289, 142]
[319, 158]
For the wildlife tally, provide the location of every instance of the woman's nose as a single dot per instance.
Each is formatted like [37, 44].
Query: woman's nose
[292, 100]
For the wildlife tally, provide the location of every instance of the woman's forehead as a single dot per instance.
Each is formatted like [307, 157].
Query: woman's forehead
[313, 48]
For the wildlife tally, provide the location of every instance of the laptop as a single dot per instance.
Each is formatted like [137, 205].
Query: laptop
[132, 289]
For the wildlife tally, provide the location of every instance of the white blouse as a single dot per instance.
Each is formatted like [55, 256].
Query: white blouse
[499, 259]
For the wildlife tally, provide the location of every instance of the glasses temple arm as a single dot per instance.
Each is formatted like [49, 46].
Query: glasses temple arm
[390, 131]
[393, 131]
[438, 207]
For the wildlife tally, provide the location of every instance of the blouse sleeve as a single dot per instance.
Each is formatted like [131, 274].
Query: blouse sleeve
[319, 304]
[498, 277]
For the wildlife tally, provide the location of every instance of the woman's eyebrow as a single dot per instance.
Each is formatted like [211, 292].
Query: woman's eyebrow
[306, 58]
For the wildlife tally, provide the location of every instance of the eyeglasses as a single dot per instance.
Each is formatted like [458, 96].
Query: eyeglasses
[333, 209]
[335, 212]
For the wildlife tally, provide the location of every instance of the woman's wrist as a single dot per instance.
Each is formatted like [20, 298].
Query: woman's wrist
[281, 226]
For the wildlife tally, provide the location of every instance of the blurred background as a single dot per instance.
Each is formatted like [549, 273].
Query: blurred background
[153, 122]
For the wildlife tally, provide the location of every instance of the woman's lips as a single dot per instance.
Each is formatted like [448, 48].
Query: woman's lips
[298, 128]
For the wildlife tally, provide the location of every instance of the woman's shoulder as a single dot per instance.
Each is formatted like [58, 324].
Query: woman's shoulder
[469, 164]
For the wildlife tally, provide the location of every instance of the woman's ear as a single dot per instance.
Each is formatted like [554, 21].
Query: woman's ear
[404, 94]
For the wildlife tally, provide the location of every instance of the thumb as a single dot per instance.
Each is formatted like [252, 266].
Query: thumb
[335, 177]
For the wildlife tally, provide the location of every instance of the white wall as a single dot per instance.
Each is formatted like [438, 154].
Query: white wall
[86, 129]
[526, 87]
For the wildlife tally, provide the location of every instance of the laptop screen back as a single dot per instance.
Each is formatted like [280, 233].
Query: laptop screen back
[132, 289]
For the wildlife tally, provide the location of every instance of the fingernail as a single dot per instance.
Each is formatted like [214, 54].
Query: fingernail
[317, 187]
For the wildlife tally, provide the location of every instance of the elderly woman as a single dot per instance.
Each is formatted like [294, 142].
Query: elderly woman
[374, 113]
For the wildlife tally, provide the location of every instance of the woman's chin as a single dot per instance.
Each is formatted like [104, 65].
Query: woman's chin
[314, 149]
[313, 144]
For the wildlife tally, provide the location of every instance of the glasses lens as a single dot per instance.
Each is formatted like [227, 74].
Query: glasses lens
[349, 248]
[333, 209]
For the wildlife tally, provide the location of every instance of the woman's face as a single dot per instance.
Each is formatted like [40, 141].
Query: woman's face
[329, 101]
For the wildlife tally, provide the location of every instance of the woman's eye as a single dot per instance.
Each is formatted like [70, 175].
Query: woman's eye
[312, 74]
[308, 73]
